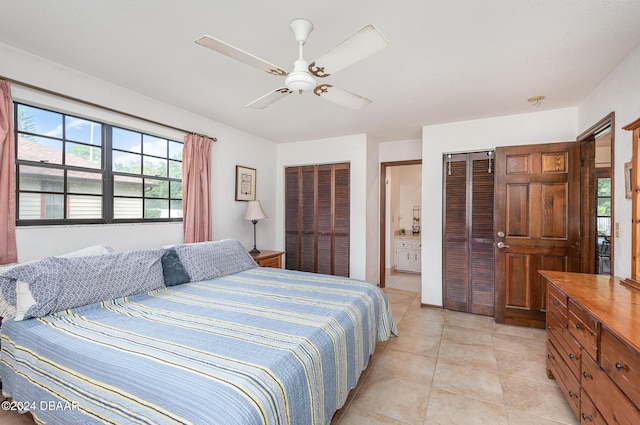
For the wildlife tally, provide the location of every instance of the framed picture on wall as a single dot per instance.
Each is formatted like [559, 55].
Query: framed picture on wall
[245, 183]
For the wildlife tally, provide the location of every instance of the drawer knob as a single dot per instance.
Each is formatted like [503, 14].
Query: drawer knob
[578, 326]
[550, 327]
[572, 394]
[585, 374]
[619, 367]
[586, 417]
[554, 302]
[571, 356]
[550, 356]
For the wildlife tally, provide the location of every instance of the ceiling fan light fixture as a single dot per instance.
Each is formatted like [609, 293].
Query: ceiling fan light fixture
[300, 81]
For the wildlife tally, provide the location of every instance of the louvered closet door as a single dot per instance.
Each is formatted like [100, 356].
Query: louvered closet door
[341, 219]
[468, 269]
[292, 218]
[456, 246]
[308, 220]
[317, 218]
[482, 251]
[325, 219]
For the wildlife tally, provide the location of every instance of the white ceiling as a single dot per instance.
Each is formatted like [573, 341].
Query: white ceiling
[448, 60]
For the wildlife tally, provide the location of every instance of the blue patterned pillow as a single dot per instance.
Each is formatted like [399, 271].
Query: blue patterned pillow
[7, 308]
[208, 260]
[42, 278]
[87, 280]
[172, 268]
[56, 283]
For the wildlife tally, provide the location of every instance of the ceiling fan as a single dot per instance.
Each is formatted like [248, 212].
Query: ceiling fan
[363, 43]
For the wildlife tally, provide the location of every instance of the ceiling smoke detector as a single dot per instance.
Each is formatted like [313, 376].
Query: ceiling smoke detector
[535, 100]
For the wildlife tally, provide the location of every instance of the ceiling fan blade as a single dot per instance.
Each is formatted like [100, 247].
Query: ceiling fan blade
[269, 98]
[240, 55]
[363, 43]
[340, 96]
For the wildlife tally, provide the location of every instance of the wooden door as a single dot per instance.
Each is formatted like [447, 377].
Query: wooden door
[468, 275]
[317, 215]
[537, 225]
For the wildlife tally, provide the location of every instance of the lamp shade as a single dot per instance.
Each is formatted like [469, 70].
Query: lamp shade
[254, 211]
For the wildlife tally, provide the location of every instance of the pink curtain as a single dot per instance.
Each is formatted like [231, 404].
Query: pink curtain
[196, 190]
[8, 251]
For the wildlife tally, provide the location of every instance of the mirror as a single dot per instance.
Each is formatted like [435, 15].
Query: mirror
[634, 280]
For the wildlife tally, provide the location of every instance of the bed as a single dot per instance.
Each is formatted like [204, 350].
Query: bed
[250, 345]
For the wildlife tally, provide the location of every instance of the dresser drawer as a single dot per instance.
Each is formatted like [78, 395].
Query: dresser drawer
[273, 262]
[622, 364]
[569, 384]
[584, 328]
[269, 258]
[612, 403]
[589, 414]
[557, 303]
[554, 327]
[570, 351]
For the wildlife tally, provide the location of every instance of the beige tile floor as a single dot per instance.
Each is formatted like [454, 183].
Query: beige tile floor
[451, 368]
[447, 368]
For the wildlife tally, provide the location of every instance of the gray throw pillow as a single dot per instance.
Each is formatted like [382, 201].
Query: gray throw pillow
[208, 260]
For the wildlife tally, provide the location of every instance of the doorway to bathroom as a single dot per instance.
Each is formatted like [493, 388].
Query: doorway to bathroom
[401, 224]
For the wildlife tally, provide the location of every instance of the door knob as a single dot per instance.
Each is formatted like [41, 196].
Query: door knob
[501, 245]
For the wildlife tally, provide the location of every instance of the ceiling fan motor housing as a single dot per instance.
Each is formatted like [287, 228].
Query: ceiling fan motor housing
[301, 29]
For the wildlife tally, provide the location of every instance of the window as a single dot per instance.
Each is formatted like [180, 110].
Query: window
[603, 221]
[74, 170]
[603, 206]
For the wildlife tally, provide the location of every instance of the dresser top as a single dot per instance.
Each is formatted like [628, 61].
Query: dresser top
[615, 305]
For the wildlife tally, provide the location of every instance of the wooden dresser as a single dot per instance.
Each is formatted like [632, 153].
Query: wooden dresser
[593, 345]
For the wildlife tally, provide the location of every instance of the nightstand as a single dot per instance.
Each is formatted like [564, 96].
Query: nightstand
[269, 258]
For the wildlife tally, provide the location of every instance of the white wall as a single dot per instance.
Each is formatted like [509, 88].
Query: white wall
[617, 92]
[394, 181]
[233, 147]
[409, 194]
[372, 222]
[352, 149]
[558, 125]
[401, 150]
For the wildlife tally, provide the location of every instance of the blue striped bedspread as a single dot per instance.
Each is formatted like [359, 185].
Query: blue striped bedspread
[263, 346]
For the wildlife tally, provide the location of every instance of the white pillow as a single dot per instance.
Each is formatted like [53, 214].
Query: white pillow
[89, 251]
[24, 299]
[7, 311]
